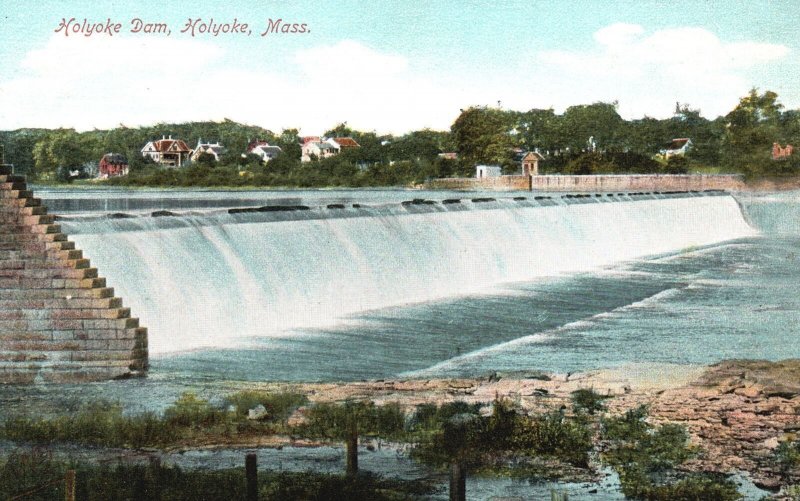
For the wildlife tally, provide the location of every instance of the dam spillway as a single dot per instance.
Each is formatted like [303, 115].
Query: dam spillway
[58, 320]
[211, 278]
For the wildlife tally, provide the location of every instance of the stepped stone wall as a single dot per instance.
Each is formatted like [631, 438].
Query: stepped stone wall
[58, 320]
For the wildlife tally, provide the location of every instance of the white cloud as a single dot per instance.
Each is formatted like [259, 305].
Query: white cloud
[348, 58]
[85, 83]
[647, 73]
[618, 34]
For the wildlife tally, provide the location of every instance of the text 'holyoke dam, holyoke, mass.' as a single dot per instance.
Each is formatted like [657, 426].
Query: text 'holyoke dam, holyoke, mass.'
[58, 320]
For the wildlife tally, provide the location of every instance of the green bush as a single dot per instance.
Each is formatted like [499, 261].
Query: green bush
[588, 400]
[476, 440]
[629, 426]
[191, 411]
[788, 454]
[279, 406]
[656, 450]
[430, 417]
[647, 460]
[334, 421]
[677, 165]
[554, 435]
[697, 487]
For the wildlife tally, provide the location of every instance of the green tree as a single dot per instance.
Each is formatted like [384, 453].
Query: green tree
[64, 149]
[598, 122]
[482, 136]
[289, 142]
[752, 127]
[206, 159]
[540, 129]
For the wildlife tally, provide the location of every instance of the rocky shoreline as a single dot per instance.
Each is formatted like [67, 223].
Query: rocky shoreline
[737, 412]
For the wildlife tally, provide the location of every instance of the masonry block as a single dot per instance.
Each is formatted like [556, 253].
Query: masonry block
[59, 322]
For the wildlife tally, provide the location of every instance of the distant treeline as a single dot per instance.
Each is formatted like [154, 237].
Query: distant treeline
[585, 139]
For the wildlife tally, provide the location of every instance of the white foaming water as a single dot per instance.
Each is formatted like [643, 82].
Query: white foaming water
[201, 284]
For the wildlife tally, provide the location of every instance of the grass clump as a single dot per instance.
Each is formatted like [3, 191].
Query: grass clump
[101, 424]
[189, 417]
[787, 454]
[279, 406]
[335, 421]
[589, 401]
[191, 411]
[477, 440]
[648, 458]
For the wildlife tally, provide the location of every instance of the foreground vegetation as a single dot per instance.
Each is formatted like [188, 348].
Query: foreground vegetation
[493, 439]
[648, 460]
[188, 420]
[23, 472]
[584, 139]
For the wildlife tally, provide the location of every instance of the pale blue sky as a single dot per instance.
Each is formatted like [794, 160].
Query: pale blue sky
[391, 66]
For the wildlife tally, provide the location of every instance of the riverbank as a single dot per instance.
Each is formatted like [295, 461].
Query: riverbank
[736, 412]
[740, 415]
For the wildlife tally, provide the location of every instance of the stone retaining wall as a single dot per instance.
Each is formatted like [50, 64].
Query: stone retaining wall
[500, 183]
[639, 182]
[632, 182]
[58, 320]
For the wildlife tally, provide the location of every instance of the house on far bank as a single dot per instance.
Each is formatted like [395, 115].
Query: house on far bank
[530, 163]
[314, 146]
[167, 151]
[112, 165]
[449, 155]
[482, 171]
[318, 149]
[343, 143]
[213, 149]
[677, 147]
[263, 150]
[779, 153]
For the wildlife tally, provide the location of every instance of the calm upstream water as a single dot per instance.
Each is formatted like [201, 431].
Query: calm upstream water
[387, 290]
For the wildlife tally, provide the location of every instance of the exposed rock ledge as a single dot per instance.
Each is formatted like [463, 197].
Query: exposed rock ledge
[737, 411]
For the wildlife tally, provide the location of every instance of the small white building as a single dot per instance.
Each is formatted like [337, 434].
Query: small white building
[266, 152]
[482, 171]
[677, 147]
[213, 149]
[319, 150]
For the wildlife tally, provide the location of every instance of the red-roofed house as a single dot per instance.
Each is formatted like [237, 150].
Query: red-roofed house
[344, 142]
[167, 151]
[112, 165]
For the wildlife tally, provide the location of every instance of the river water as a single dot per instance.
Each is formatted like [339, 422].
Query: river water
[463, 289]
[329, 292]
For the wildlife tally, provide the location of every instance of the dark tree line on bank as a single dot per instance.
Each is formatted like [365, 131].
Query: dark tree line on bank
[585, 139]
